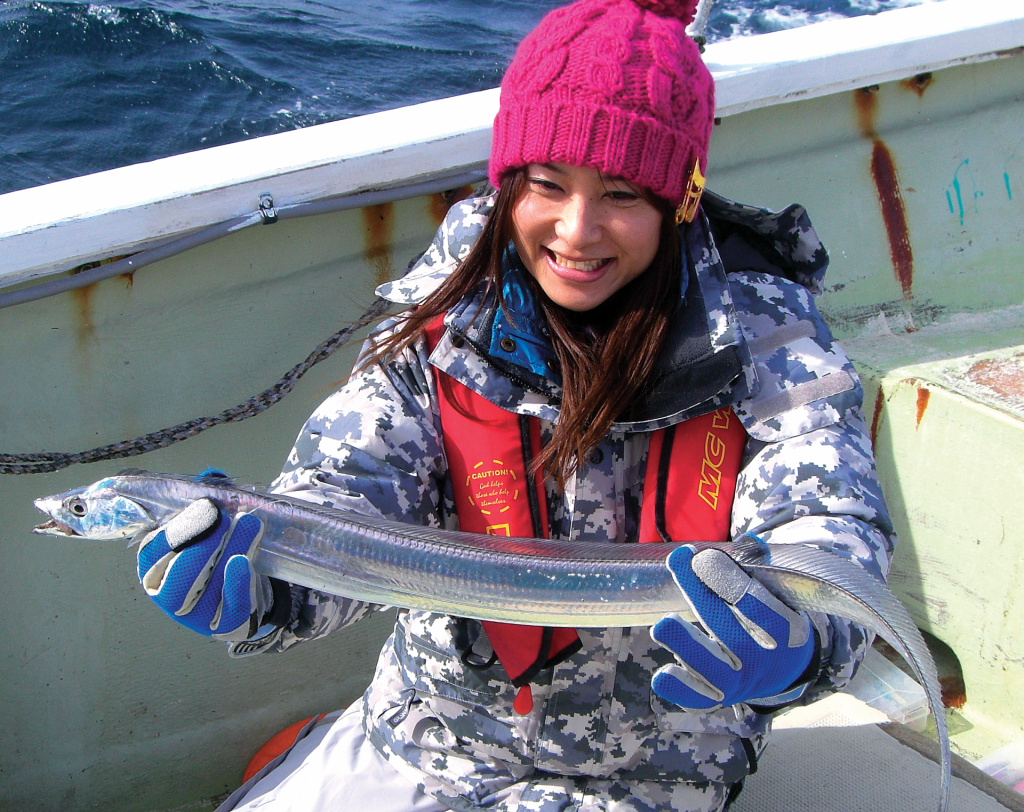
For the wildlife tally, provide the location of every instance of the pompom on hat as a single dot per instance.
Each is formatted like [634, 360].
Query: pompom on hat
[616, 85]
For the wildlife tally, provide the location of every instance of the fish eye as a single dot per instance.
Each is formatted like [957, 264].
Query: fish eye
[77, 507]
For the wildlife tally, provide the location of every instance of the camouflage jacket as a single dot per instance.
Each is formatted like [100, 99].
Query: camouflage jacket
[746, 334]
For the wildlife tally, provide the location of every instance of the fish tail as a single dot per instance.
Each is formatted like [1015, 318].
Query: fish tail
[845, 589]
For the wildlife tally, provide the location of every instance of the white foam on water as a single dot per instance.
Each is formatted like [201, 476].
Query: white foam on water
[105, 14]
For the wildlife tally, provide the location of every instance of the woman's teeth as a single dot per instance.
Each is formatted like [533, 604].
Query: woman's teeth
[588, 265]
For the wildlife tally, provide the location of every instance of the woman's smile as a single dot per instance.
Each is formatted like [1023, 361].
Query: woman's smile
[583, 235]
[580, 270]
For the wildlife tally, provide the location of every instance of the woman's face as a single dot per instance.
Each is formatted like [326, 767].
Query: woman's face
[583, 235]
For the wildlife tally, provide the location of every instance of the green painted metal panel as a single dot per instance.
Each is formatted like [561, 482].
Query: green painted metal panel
[106, 704]
[954, 140]
[952, 478]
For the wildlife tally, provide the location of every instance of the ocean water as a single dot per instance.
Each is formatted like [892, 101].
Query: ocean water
[91, 86]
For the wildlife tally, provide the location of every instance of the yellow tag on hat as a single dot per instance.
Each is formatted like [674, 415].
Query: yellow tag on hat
[691, 199]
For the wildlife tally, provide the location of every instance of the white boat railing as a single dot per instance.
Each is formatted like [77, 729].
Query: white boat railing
[267, 214]
[53, 228]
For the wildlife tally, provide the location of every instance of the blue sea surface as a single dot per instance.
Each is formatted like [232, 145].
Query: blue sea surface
[91, 86]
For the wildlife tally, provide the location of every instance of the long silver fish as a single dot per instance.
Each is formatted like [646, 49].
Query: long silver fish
[531, 581]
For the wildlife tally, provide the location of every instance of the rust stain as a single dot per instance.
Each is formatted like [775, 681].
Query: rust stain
[876, 418]
[83, 297]
[88, 266]
[380, 223]
[954, 691]
[923, 395]
[83, 303]
[918, 84]
[866, 103]
[887, 182]
[438, 208]
[440, 202]
[887, 186]
[1004, 376]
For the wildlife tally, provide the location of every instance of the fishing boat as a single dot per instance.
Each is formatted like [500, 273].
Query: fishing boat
[159, 294]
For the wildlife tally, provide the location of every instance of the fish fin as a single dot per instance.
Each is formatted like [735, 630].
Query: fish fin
[214, 476]
[138, 537]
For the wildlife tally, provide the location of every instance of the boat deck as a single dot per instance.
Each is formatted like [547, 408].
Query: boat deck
[871, 765]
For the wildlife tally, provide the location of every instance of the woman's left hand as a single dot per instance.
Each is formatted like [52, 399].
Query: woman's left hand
[756, 647]
[197, 568]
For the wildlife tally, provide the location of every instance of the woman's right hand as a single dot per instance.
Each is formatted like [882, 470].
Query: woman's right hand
[197, 568]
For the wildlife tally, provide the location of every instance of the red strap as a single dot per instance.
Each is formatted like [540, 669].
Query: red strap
[483, 445]
[523, 703]
[688, 494]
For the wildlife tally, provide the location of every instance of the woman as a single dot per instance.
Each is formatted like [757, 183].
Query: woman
[636, 367]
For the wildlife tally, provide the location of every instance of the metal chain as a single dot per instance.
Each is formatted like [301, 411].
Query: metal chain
[46, 461]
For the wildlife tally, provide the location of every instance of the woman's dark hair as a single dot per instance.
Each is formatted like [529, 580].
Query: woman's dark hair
[605, 355]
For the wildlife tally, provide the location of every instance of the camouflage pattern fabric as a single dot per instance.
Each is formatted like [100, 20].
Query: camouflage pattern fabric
[597, 736]
[333, 768]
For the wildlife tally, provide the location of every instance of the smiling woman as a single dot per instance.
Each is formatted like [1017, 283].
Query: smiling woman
[603, 322]
[577, 362]
[583, 236]
[604, 254]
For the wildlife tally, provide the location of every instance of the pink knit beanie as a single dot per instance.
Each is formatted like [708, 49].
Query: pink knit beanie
[612, 84]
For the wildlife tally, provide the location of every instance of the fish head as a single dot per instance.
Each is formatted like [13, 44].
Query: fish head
[97, 511]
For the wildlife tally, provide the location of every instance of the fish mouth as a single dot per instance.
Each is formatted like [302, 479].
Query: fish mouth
[52, 527]
[48, 506]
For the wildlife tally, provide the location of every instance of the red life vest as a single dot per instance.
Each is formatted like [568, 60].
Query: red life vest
[689, 486]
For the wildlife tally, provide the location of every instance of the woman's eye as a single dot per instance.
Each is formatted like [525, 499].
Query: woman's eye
[623, 197]
[544, 185]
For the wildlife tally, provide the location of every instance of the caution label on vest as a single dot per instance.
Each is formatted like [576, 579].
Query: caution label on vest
[492, 488]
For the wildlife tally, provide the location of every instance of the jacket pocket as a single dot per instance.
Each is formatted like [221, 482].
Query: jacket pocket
[431, 651]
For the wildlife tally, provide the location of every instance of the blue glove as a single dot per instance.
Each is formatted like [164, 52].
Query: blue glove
[755, 647]
[197, 568]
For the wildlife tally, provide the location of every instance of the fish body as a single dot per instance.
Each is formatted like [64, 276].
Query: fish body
[529, 581]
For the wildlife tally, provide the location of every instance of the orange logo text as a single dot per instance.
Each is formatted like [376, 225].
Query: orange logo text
[714, 457]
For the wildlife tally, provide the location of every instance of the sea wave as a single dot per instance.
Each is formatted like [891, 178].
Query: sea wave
[90, 86]
[740, 18]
